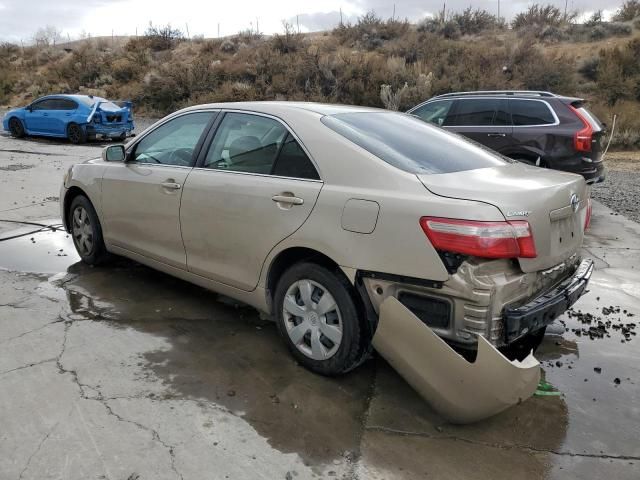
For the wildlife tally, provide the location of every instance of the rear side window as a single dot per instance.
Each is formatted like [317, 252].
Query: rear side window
[65, 104]
[478, 112]
[530, 112]
[293, 162]
[411, 144]
[434, 112]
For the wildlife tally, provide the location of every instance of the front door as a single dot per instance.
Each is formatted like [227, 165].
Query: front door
[38, 119]
[255, 187]
[141, 197]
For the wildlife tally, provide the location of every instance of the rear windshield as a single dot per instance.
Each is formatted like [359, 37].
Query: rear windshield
[104, 104]
[411, 144]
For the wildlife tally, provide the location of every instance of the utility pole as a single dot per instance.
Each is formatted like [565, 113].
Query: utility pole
[565, 8]
[218, 29]
[444, 12]
[188, 36]
[340, 16]
[298, 22]
[498, 10]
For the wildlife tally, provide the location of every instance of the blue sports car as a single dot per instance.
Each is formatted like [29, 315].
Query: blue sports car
[76, 117]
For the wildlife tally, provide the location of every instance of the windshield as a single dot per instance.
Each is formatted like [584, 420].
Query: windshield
[411, 144]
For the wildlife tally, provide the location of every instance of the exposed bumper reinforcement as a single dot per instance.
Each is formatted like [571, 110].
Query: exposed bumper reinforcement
[544, 309]
[460, 391]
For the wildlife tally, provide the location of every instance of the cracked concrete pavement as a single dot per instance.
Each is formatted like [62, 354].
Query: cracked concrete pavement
[120, 372]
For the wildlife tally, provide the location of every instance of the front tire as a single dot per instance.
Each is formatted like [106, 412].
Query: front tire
[76, 134]
[86, 231]
[317, 315]
[16, 128]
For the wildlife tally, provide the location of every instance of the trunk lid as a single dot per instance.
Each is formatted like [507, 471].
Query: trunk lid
[554, 203]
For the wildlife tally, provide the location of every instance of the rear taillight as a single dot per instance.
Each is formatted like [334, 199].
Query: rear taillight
[587, 218]
[582, 138]
[480, 239]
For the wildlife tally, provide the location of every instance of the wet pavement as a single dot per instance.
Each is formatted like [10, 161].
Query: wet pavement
[121, 372]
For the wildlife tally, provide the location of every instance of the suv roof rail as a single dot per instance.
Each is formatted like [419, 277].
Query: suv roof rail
[533, 93]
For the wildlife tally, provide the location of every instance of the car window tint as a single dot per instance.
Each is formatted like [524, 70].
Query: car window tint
[530, 112]
[245, 143]
[65, 104]
[293, 162]
[173, 143]
[474, 112]
[411, 144]
[49, 104]
[434, 112]
[502, 113]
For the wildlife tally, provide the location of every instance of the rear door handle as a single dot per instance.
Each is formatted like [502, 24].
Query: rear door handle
[288, 199]
[496, 134]
[171, 185]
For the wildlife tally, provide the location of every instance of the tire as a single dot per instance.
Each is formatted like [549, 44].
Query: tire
[16, 128]
[76, 134]
[86, 231]
[312, 337]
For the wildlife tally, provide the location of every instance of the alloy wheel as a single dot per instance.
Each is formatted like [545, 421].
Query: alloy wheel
[82, 231]
[312, 319]
[15, 127]
[74, 134]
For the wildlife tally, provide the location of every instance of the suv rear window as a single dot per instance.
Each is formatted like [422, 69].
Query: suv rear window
[530, 112]
[411, 144]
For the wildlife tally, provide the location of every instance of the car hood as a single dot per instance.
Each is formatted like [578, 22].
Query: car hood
[542, 197]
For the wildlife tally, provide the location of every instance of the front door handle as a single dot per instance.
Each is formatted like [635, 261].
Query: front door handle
[171, 185]
[287, 199]
[496, 134]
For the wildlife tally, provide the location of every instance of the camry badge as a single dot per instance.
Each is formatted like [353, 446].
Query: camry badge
[519, 213]
[575, 202]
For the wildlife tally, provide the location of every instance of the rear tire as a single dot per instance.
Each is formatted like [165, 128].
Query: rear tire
[16, 128]
[86, 231]
[318, 317]
[76, 134]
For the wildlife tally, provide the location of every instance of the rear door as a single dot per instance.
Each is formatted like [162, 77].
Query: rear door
[485, 120]
[141, 197]
[254, 187]
[61, 114]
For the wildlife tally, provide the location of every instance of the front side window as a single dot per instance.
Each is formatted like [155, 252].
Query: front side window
[174, 142]
[48, 104]
[434, 112]
[411, 144]
[246, 143]
[530, 112]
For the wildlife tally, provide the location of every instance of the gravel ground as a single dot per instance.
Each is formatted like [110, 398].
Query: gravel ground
[620, 192]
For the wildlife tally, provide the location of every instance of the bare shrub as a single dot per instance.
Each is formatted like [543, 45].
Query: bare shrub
[628, 11]
[391, 99]
[542, 16]
[162, 37]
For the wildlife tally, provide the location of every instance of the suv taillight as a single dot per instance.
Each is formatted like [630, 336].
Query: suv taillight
[480, 239]
[582, 138]
[587, 219]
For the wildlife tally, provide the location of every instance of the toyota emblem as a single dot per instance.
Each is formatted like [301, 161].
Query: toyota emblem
[575, 202]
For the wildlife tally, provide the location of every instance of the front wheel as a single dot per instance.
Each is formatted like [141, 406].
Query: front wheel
[16, 128]
[317, 316]
[86, 231]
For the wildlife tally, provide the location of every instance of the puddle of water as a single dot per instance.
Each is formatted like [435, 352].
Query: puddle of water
[224, 353]
[42, 252]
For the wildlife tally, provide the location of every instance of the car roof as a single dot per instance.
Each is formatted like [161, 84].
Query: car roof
[73, 96]
[275, 107]
[520, 94]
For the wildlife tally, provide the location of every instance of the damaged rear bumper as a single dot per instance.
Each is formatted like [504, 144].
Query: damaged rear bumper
[460, 391]
[543, 310]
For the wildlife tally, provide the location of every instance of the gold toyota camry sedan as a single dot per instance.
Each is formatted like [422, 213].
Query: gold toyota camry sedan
[317, 214]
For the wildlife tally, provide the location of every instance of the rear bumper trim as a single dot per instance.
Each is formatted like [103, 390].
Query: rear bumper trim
[544, 309]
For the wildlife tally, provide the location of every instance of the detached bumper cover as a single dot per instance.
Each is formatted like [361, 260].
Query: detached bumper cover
[544, 309]
[460, 391]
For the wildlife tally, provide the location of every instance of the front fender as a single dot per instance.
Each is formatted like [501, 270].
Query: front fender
[460, 391]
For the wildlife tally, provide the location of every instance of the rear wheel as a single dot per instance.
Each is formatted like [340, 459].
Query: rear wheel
[86, 231]
[16, 128]
[76, 134]
[317, 316]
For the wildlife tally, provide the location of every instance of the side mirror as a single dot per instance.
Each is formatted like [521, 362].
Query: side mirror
[113, 153]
